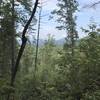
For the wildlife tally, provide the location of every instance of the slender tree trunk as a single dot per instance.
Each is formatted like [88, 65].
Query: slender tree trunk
[24, 40]
[13, 38]
[72, 45]
[21, 50]
[37, 43]
[12, 42]
[78, 98]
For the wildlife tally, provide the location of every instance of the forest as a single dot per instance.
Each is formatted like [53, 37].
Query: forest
[32, 70]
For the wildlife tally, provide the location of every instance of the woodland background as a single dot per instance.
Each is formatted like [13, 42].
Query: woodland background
[32, 70]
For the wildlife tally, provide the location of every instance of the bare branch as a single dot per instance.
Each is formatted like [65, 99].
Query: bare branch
[93, 5]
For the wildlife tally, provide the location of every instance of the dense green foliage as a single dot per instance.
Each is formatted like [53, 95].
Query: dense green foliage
[56, 78]
[60, 75]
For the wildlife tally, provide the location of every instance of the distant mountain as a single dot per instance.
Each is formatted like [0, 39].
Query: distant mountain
[41, 42]
[57, 42]
[60, 41]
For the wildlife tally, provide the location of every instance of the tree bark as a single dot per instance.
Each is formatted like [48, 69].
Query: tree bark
[21, 50]
[37, 44]
[24, 40]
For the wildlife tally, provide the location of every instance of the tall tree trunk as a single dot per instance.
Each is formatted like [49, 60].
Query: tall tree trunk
[37, 43]
[21, 50]
[13, 38]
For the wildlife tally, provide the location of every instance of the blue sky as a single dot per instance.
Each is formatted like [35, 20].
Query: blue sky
[83, 18]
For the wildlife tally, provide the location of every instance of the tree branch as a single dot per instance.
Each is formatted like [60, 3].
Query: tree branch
[24, 40]
[93, 5]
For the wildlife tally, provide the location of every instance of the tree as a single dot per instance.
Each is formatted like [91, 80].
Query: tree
[21, 50]
[66, 16]
[38, 34]
[90, 49]
[7, 36]
[7, 17]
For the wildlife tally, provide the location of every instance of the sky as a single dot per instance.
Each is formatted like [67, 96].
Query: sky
[83, 19]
